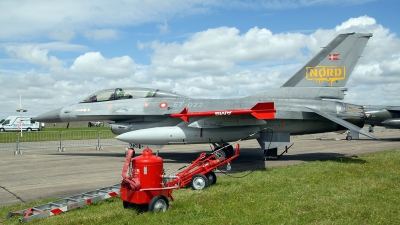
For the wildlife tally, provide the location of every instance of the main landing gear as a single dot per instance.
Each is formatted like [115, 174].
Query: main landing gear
[273, 153]
[371, 128]
[352, 135]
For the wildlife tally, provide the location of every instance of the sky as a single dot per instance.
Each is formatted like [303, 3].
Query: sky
[56, 53]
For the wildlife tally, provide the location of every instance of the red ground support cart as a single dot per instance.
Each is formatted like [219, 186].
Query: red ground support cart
[146, 183]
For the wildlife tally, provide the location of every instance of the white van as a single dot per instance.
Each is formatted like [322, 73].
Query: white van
[15, 123]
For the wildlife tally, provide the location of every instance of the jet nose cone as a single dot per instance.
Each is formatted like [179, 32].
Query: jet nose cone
[52, 116]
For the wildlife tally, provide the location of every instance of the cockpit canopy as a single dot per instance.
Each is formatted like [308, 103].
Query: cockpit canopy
[126, 93]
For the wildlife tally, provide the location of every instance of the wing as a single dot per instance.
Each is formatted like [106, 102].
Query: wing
[343, 123]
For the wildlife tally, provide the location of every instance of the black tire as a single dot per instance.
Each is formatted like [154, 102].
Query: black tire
[2, 130]
[126, 204]
[212, 178]
[228, 151]
[349, 138]
[158, 203]
[29, 129]
[199, 182]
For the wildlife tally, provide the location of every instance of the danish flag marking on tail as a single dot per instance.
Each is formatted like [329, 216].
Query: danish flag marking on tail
[333, 56]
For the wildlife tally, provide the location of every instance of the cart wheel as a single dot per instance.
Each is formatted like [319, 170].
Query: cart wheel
[158, 204]
[199, 182]
[126, 204]
[212, 178]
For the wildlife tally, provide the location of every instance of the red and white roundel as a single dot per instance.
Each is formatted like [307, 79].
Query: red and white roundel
[163, 105]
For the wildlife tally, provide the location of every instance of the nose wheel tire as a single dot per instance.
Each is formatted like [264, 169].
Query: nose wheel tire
[226, 152]
[219, 154]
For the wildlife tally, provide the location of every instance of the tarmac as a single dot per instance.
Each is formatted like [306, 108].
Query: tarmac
[46, 173]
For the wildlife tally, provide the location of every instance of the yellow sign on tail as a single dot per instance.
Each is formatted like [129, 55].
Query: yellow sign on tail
[326, 73]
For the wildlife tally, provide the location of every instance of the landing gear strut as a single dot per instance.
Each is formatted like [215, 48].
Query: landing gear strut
[273, 153]
[371, 128]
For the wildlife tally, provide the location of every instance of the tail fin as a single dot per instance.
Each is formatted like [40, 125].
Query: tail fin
[333, 65]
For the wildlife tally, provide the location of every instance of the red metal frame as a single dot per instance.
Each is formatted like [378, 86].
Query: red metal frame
[132, 192]
[202, 165]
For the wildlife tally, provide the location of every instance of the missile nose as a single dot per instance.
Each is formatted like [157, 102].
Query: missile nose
[52, 116]
[125, 137]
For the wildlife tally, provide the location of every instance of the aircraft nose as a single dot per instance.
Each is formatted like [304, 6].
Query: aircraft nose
[52, 116]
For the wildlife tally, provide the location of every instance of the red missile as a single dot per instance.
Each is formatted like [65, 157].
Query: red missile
[261, 111]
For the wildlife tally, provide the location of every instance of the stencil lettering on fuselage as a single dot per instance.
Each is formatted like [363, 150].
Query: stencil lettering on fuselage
[223, 113]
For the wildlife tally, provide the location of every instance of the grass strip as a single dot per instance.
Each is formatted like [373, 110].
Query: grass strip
[350, 190]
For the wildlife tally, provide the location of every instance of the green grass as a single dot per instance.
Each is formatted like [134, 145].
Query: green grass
[60, 129]
[53, 134]
[354, 190]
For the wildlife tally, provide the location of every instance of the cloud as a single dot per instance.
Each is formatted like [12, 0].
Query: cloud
[94, 65]
[34, 54]
[259, 60]
[220, 62]
[62, 35]
[288, 4]
[357, 23]
[26, 20]
[163, 28]
[216, 51]
[100, 34]
[62, 47]
[392, 65]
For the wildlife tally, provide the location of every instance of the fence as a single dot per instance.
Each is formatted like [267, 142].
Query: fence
[58, 140]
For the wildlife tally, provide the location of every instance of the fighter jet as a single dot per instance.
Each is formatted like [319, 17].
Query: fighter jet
[385, 116]
[308, 103]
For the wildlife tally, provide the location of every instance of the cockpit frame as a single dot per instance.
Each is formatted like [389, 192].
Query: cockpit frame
[127, 93]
